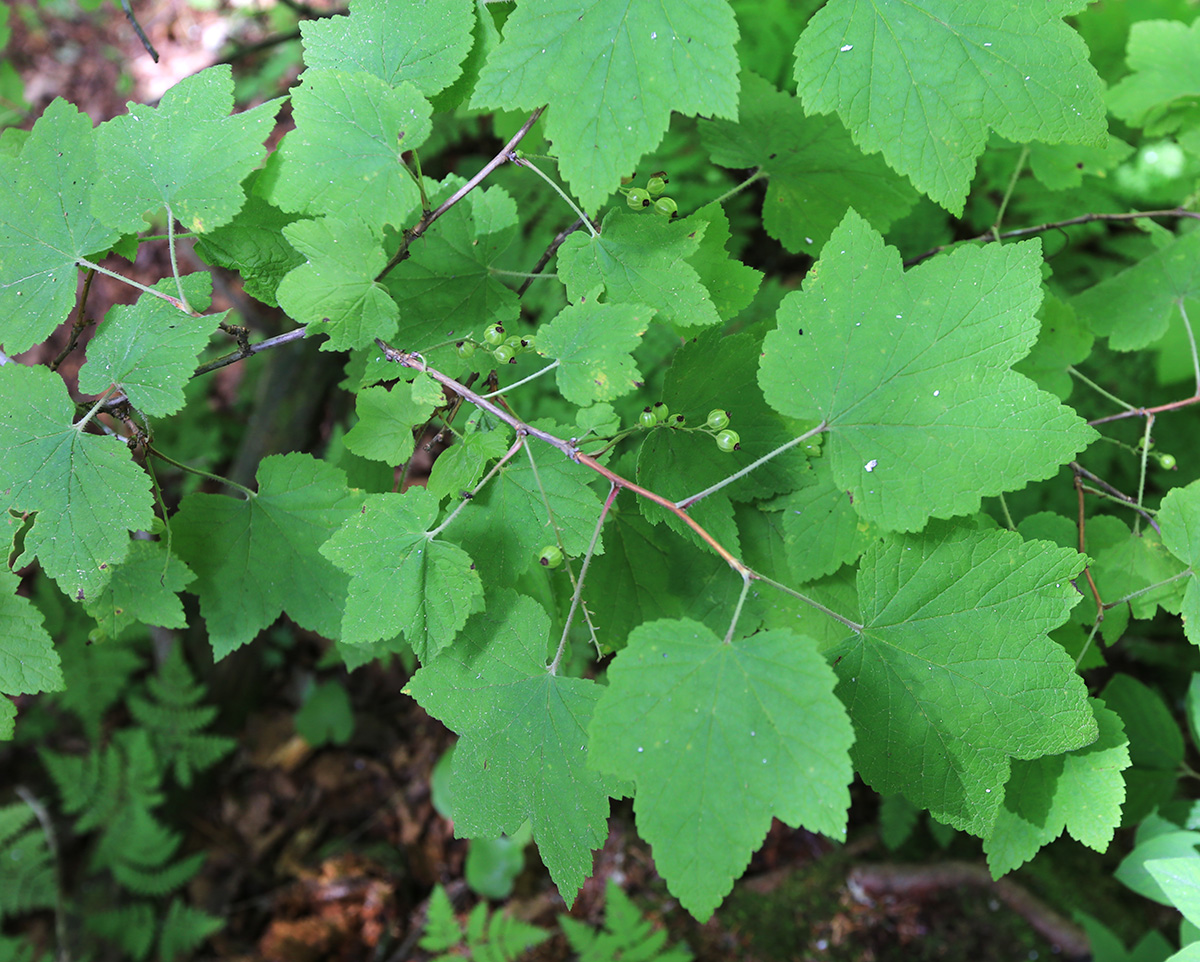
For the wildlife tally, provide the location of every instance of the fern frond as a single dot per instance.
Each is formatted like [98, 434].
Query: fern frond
[175, 720]
[130, 927]
[487, 937]
[625, 937]
[27, 879]
[184, 929]
[96, 677]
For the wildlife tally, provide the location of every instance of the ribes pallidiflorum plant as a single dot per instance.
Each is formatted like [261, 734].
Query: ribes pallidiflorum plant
[826, 520]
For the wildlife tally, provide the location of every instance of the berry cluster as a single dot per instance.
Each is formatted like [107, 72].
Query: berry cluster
[639, 198]
[716, 424]
[504, 348]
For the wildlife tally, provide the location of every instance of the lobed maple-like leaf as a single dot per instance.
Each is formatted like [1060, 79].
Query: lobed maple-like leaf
[1141, 305]
[951, 674]
[925, 83]
[187, 154]
[719, 738]
[253, 245]
[508, 522]
[1159, 93]
[143, 588]
[344, 157]
[640, 258]
[1179, 518]
[28, 661]
[1080, 792]
[256, 558]
[911, 371]
[522, 750]
[334, 291]
[593, 344]
[612, 72]
[402, 579]
[86, 489]
[1063, 341]
[386, 419]
[821, 529]
[421, 43]
[149, 349]
[730, 283]
[460, 466]
[445, 288]
[46, 224]
[814, 171]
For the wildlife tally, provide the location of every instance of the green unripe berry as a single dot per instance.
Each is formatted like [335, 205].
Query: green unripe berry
[677, 421]
[465, 349]
[494, 335]
[728, 441]
[667, 206]
[1166, 461]
[657, 184]
[637, 198]
[515, 343]
[660, 411]
[647, 419]
[528, 342]
[717, 420]
[503, 354]
[551, 556]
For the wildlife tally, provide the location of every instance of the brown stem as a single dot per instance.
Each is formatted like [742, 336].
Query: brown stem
[426, 221]
[81, 322]
[1081, 524]
[868, 882]
[988, 237]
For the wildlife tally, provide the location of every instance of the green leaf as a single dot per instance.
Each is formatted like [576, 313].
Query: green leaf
[401, 578]
[28, 661]
[149, 349]
[612, 72]
[924, 84]
[1062, 342]
[1160, 92]
[594, 344]
[1179, 518]
[1136, 307]
[423, 44]
[143, 588]
[188, 155]
[731, 284]
[911, 371]
[507, 524]
[46, 223]
[640, 259]
[1155, 745]
[344, 157]
[86, 489]
[821, 529]
[1179, 880]
[720, 738]
[386, 419]
[334, 291]
[1080, 792]
[523, 738]
[815, 172]
[445, 287]
[460, 466]
[253, 245]
[1134, 871]
[952, 675]
[1063, 166]
[256, 558]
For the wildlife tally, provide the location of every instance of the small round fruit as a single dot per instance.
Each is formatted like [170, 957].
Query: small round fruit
[515, 343]
[528, 342]
[1167, 461]
[717, 420]
[728, 441]
[647, 419]
[638, 198]
[677, 421]
[656, 184]
[465, 349]
[551, 556]
[667, 206]
[660, 411]
[503, 354]
[494, 335]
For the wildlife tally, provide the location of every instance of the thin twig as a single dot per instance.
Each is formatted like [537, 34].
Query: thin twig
[549, 253]
[81, 322]
[1081, 524]
[1119, 495]
[577, 594]
[427, 221]
[987, 237]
